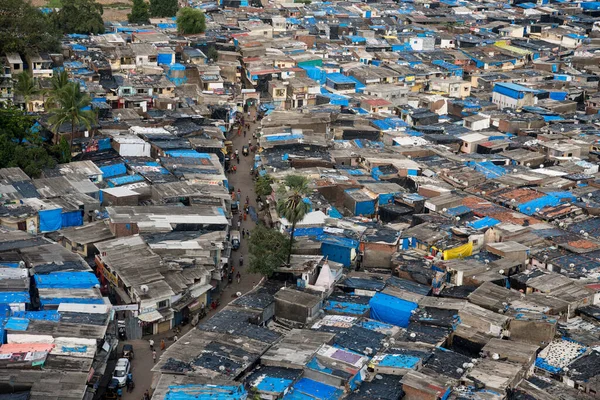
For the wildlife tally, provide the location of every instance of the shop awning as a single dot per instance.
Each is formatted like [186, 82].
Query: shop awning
[150, 316]
[199, 291]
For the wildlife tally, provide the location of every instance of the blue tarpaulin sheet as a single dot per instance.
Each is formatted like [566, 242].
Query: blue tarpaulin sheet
[186, 153]
[346, 307]
[14, 297]
[50, 315]
[404, 361]
[124, 180]
[390, 309]
[113, 170]
[273, 385]
[334, 213]
[104, 144]
[17, 324]
[70, 300]
[72, 218]
[67, 280]
[50, 220]
[489, 169]
[483, 223]
[308, 389]
[206, 392]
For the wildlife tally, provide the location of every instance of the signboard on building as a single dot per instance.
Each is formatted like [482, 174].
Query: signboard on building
[126, 307]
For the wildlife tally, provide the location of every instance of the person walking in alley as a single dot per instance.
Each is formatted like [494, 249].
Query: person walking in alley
[162, 345]
[151, 344]
[239, 195]
[154, 356]
[238, 277]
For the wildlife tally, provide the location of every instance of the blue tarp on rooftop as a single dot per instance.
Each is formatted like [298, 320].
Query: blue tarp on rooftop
[489, 169]
[483, 223]
[70, 300]
[346, 307]
[206, 392]
[390, 309]
[66, 280]
[273, 385]
[307, 389]
[14, 297]
[124, 180]
[49, 315]
[17, 324]
[50, 220]
[186, 153]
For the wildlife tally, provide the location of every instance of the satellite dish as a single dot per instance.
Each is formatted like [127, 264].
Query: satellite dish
[144, 289]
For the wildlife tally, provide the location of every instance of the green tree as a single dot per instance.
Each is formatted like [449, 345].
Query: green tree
[163, 8]
[292, 207]
[190, 21]
[25, 29]
[32, 160]
[213, 54]
[20, 146]
[262, 187]
[62, 151]
[71, 108]
[27, 87]
[15, 125]
[80, 16]
[297, 183]
[58, 82]
[268, 250]
[140, 13]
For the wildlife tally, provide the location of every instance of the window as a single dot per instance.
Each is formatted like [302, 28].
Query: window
[162, 304]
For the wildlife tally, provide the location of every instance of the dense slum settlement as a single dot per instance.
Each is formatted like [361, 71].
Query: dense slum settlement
[451, 250]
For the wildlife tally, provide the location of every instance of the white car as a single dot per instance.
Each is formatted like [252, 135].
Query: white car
[121, 371]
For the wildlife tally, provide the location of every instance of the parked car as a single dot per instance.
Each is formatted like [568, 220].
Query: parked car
[235, 240]
[121, 370]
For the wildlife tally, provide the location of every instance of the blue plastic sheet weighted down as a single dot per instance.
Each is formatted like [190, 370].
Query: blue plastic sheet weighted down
[390, 309]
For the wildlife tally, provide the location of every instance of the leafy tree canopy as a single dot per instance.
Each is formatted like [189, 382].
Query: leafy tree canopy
[268, 250]
[213, 54]
[191, 21]
[297, 183]
[25, 29]
[262, 187]
[80, 16]
[20, 146]
[140, 13]
[163, 8]
[71, 108]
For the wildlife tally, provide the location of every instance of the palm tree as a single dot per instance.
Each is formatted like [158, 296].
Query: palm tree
[58, 82]
[27, 87]
[293, 208]
[71, 107]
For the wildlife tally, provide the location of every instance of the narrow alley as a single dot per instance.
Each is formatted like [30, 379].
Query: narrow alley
[142, 363]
